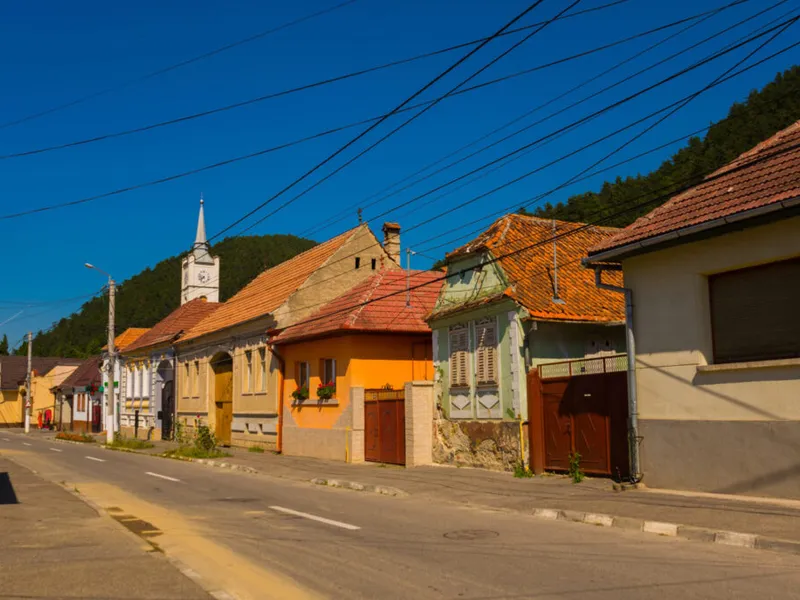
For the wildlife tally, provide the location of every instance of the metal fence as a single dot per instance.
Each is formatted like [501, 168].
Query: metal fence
[584, 366]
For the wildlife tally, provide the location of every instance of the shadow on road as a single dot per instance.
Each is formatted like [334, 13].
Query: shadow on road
[7, 494]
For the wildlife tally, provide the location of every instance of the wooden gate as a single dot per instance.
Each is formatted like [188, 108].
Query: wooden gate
[385, 426]
[581, 407]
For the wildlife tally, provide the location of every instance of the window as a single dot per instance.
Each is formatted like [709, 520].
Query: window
[129, 381]
[186, 380]
[137, 383]
[196, 378]
[358, 262]
[486, 352]
[262, 359]
[374, 263]
[145, 380]
[327, 369]
[248, 371]
[303, 374]
[459, 349]
[754, 313]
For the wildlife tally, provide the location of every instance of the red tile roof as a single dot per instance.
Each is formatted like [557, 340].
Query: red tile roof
[763, 176]
[127, 337]
[87, 373]
[179, 320]
[524, 251]
[377, 304]
[14, 369]
[270, 289]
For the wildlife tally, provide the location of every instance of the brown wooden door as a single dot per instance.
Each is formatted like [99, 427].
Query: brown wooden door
[590, 422]
[557, 426]
[223, 396]
[224, 420]
[384, 426]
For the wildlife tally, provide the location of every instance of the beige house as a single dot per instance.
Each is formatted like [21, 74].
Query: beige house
[715, 281]
[227, 374]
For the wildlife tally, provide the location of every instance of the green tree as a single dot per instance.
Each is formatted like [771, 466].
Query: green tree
[4, 346]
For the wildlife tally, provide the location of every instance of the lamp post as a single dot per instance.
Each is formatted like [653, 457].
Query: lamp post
[111, 419]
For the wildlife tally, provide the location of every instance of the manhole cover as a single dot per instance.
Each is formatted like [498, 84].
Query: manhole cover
[471, 534]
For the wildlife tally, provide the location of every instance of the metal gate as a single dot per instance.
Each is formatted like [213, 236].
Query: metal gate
[385, 426]
[580, 406]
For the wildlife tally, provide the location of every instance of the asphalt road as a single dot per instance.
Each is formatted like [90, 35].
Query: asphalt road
[321, 542]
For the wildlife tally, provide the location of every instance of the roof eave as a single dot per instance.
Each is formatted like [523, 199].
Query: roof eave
[651, 244]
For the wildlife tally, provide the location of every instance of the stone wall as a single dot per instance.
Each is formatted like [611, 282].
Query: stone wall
[481, 444]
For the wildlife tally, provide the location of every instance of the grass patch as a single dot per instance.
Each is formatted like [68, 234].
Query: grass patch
[256, 449]
[521, 471]
[75, 437]
[129, 443]
[195, 452]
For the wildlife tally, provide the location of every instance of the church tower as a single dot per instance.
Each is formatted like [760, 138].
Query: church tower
[200, 270]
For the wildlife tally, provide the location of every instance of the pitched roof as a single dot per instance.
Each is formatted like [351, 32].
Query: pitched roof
[179, 320]
[14, 369]
[127, 337]
[528, 266]
[270, 289]
[88, 372]
[765, 175]
[377, 304]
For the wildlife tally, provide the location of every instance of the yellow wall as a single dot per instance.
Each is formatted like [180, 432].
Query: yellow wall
[673, 331]
[368, 361]
[10, 408]
[43, 398]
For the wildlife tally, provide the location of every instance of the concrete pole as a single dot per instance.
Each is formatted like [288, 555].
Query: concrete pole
[28, 385]
[111, 420]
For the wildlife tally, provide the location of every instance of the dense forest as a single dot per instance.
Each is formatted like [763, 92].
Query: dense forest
[149, 296]
[764, 112]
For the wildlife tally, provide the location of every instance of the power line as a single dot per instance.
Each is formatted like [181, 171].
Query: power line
[175, 66]
[273, 95]
[384, 118]
[371, 202]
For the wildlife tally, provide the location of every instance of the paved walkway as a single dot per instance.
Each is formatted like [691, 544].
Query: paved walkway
[53, 545]
[764, 517]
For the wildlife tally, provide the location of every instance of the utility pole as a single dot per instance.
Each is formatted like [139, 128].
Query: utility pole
[111, 420]
[28, 385]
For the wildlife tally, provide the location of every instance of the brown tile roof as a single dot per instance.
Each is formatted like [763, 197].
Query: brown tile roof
[127, 337]
[87, 373]
[377, 304]
[270, 289]
[528, 266]
[14, 369]
[766, 174]
[179, 320]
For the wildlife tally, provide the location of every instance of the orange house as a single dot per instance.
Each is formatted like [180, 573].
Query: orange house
[373, 337]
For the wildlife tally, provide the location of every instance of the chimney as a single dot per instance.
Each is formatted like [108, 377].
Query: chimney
[391, 240]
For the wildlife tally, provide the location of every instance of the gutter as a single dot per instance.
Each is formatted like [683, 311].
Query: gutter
[646, 244]
[630, 347]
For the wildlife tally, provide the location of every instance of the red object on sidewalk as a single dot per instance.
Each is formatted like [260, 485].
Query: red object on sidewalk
[39, 419]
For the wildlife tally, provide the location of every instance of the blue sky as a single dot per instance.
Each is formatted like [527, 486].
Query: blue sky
[62, 51]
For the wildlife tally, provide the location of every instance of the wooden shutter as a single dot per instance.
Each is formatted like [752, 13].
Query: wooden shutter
[459, 350]
[754, 313]
[486, 352]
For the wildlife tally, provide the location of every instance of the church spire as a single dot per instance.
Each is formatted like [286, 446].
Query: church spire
[200, 248]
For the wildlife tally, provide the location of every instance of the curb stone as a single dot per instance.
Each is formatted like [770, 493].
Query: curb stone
[687, 532]
[360, 487]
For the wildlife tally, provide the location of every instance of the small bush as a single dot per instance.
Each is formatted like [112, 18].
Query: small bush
[575, 471]
[257, 449]
[194, 452]
[130, 443]
[75, 437]
[521, 471]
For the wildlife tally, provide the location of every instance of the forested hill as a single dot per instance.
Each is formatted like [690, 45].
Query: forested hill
[148, 297]
[764, 113]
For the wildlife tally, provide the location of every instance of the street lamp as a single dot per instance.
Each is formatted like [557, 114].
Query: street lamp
[111, 420]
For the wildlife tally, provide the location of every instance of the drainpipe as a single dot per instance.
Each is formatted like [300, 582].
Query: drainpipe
[282, 363]
[630, 345]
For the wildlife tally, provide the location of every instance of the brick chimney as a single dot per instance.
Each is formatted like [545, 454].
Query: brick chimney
[391, 240]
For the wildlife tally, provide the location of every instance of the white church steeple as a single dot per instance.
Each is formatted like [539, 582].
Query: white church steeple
[200, 270]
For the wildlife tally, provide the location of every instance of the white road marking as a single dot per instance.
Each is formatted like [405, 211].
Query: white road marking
[161, 476]
[55, 450]
[6, 440]
[297, 513]
[97, 459]
[25, 444]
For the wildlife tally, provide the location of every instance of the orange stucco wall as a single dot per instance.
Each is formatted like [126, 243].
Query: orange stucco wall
[368, 361]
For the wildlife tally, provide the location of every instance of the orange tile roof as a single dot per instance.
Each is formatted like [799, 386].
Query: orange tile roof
[764, 175]
[377, 304]
[529, 268]
[270, 289]
[127, 337]
[181, 319]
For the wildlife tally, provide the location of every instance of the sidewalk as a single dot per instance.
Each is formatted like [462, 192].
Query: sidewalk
[55, 546]
[773, 519]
